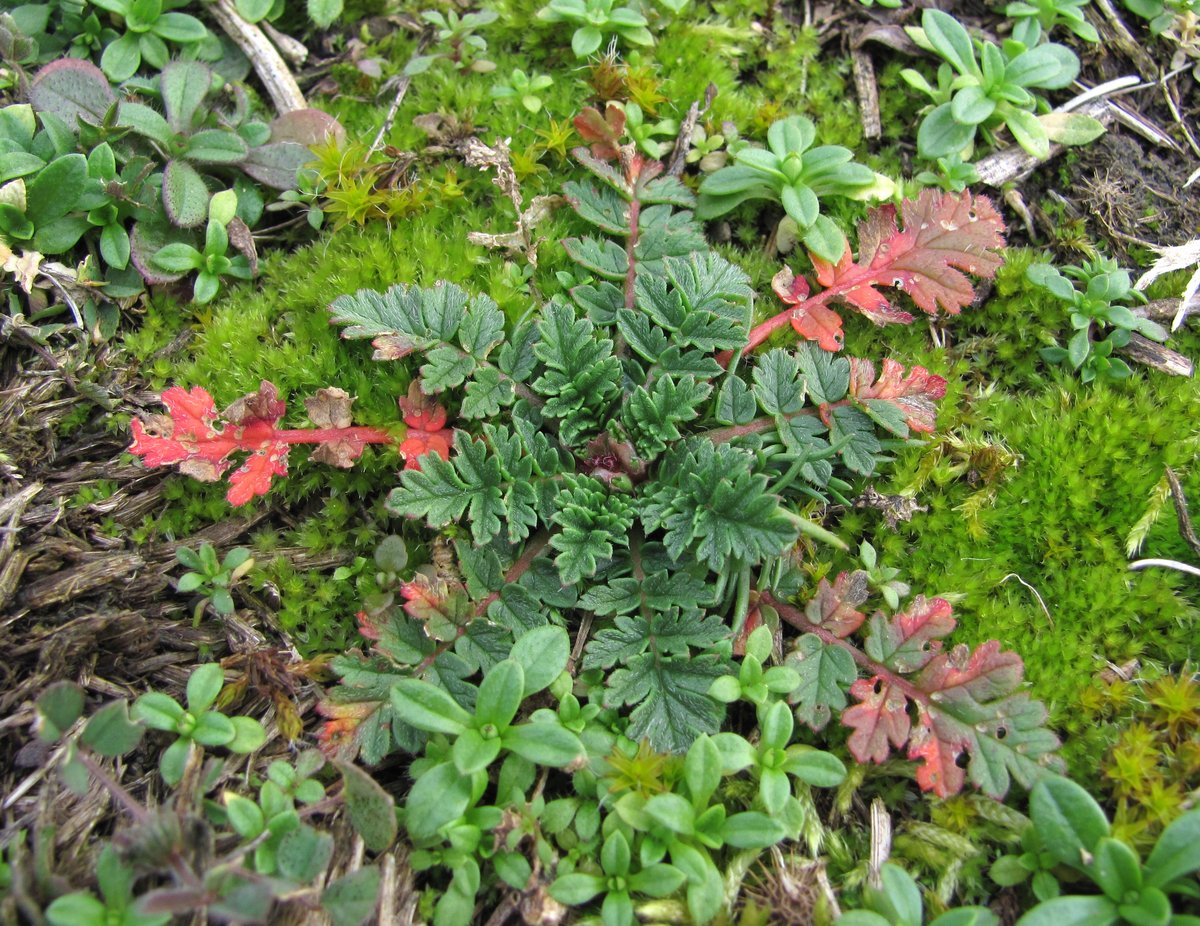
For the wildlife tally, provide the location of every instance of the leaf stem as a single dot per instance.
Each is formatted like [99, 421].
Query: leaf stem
[361, 435]
[518, 569]
[800, 621]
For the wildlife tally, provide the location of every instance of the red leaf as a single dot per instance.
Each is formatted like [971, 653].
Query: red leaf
[427, 431]
[190, 436]
[817, 323]
[939, 770]
[835, 607]
[881, 719]
[338, 733]
[603, 133]
[789, 287]
[909, 639]
[263, 408]
[814, 322]
[945, 236]
[184, 433]
[254, 476]
[914, 394]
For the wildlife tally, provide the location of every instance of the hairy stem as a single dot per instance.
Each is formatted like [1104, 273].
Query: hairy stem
[534, 548]
[635, 208]
[362, 435]
[800, 621]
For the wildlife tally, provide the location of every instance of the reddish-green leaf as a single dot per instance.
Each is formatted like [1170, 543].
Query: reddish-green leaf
[912, 396]
[835, 607]
[945, 237]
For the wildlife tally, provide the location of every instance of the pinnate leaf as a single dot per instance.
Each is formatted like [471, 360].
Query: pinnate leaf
[945, 237]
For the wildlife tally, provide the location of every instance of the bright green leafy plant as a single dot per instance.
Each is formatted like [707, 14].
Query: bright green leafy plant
[617, 882]
[89, 173]
[213, 262]
[197, 724]
[456, 41]
[479, 738]
[983, 87]
[212, 578]
[149, 26]
[1050, 13]
[45, 183]
[1102, 304]
[115, 905]
[260, 849]
[953, 174]
[896, 901]
[595, 19]
[1164, 14]
[1073, 830]
[524, 88]
[792, 172]
[643, 133]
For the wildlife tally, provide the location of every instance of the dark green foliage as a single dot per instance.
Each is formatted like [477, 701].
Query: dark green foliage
[610, 446]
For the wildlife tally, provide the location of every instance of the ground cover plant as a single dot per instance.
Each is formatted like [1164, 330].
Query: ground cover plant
[726, 432]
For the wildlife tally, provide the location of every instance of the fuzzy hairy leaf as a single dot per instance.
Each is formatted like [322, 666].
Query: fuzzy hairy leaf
[460, 331]
[582, 375]
[653, 415]
[671, 694]
[826, 671]
[443, 490]
[591, 522]
[668, 632]
[904, 401]
[712, 504]
[660, 591]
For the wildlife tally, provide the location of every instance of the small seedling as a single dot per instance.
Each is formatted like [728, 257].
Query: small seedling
[1098, 307]
[524, 88]
[211, 578]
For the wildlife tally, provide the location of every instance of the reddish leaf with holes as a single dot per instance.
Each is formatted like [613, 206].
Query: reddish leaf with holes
[192, 435]
[912, 395]
[880, 722]
[945, 236]
[961, 713]
[427, 431]
[835, 607]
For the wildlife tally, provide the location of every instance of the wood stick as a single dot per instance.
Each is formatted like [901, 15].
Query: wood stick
[868, 93]
[280, 85]
[1152, 354]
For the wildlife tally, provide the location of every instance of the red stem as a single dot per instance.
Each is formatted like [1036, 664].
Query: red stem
[859, 276]
[518, 569]
[635, 208]
[800, 621]
[325, 435]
